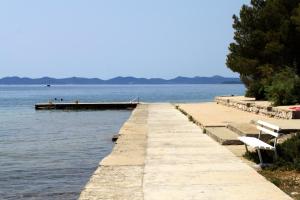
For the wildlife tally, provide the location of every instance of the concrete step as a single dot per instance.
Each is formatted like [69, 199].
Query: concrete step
[250, 130]
[223, 135]
[243, 129]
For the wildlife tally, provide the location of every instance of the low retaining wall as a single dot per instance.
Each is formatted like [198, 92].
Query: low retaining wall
[251, 106]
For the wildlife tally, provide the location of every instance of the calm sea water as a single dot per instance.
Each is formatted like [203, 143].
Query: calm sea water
[52, 154]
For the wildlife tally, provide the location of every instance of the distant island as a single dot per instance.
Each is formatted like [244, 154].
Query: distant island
[14, 80]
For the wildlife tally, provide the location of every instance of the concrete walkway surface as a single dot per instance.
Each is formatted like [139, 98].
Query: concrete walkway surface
[173, 160]
[120, 174]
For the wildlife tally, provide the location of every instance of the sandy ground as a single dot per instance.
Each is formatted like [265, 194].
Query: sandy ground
[213, 114]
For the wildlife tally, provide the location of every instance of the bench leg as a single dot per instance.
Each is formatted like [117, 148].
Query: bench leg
[275, 155]
[246, 148]
[260, 157]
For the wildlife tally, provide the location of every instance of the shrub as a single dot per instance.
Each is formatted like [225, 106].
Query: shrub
[289, 153]
[284, 88]
[256, 89]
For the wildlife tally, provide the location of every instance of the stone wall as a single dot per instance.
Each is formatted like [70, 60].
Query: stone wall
[251, 106]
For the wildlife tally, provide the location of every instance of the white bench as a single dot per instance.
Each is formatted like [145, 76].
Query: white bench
[256, 143]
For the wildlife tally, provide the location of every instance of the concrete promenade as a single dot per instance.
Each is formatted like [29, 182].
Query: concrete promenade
[161, 155]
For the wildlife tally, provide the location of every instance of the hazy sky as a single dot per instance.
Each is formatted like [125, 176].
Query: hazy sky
[107, 38]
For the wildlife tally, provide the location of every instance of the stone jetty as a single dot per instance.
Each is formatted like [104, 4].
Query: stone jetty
[86, 106]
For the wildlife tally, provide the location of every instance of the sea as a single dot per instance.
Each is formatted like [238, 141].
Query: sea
[52, 154]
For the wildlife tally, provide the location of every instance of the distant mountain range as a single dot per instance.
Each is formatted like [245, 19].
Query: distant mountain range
[119, 80]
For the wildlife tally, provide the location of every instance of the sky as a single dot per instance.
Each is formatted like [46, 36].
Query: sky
[108, 38]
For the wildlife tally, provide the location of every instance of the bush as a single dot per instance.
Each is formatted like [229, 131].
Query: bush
[256, 89]
[289, 153]
[284, 88]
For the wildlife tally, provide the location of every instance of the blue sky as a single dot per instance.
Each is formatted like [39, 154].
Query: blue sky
[108, 38]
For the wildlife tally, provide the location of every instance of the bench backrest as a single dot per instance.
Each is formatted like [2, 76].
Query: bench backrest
[268, 128]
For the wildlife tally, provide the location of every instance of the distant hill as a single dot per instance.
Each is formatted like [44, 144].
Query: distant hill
[14, 80]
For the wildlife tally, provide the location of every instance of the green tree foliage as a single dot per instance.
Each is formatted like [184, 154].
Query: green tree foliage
[284, 88]
[267, 40]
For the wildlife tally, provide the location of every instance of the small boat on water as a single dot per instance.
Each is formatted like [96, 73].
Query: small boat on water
[48, 85]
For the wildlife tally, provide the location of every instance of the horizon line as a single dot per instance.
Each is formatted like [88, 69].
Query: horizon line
[12, 76]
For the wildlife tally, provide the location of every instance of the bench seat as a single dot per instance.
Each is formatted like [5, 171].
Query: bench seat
[255, 143]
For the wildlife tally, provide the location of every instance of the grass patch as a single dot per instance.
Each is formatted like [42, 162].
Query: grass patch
[287, 181]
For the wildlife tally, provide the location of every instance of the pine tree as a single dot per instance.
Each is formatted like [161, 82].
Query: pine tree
[267, 41]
